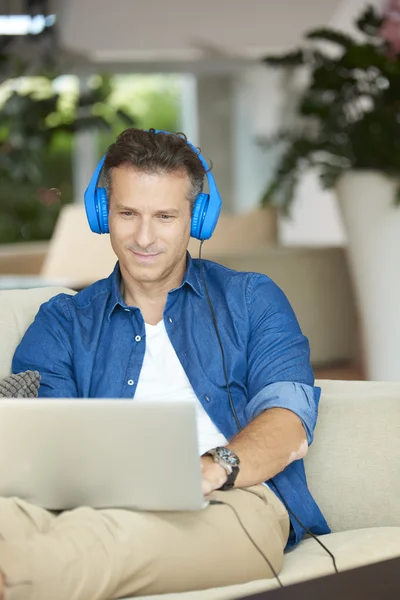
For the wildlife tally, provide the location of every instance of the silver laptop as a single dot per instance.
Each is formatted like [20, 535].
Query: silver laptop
[64, 453]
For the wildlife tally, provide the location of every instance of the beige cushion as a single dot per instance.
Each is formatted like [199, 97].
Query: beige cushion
[318, 286]
[238, 233]
[353, 465]
[17, 311]
[358, 388]
[351, 549]
[81, 258]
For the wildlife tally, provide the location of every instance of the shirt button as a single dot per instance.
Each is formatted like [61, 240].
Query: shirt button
[127, 309]
[130, 382]
[170, 319]
[207, 398]
[137, 338]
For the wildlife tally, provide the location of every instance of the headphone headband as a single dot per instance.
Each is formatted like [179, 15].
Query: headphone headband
[206, 210]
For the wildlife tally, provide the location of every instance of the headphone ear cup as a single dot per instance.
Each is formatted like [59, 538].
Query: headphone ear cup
[93, 201]
[102, 209]
[198, 215]
[92, 213]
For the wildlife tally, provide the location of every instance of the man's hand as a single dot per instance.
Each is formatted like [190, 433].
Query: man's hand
[212, 474]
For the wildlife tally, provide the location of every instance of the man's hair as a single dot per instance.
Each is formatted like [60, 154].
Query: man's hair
[151, 152]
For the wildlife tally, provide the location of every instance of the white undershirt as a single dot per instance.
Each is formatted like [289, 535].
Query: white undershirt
[163, 378]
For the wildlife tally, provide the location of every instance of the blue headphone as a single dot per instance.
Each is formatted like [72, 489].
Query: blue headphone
[205, 211]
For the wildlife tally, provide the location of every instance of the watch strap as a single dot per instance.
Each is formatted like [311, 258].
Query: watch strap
[230, 482]
[232, 471]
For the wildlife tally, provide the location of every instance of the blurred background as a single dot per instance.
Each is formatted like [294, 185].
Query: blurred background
[297, 105]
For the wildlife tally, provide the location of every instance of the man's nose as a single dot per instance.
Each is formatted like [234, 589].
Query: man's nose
[145, 234]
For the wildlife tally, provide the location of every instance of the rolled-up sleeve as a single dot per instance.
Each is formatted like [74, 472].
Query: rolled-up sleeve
[279, 369]
[301, 399]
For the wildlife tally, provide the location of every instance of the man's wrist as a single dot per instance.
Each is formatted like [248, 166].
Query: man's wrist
[229, 461]
[215, 472]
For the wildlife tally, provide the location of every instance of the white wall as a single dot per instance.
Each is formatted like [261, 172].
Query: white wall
[263, 104]
[257, 112]
[315, 219]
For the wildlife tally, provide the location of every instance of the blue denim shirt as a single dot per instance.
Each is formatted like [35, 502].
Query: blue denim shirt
[92, 345]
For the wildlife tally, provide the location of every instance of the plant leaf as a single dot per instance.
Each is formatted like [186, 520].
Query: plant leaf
[291, 59]
[369, 22]
[330, 35]
[125, 117]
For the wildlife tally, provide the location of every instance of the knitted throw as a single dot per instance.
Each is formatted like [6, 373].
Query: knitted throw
[22, 385]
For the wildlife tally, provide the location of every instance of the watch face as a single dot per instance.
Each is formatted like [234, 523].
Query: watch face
[228, 456]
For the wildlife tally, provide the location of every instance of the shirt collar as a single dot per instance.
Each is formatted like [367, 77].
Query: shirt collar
[191, 278]
[116, 298]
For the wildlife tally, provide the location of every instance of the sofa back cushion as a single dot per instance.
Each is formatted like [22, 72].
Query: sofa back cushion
[17, 311]
[353, 464]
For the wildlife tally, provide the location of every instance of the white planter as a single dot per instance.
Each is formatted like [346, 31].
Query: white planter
[366, 200]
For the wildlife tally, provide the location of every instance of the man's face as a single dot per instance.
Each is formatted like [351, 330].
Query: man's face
[149, 221]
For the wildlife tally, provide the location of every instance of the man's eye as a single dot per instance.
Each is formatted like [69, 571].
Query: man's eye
[165, 217]
[126, 213]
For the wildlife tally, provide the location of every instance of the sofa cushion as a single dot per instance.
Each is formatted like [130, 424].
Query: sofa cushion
[239, 233]
[308, 561]
[316, 277]
[17, 311]
[353, 464]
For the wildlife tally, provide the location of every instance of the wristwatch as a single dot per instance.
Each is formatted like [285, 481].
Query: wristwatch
[228, 461]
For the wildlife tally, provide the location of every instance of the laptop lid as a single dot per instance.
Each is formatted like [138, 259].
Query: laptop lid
[65, 453]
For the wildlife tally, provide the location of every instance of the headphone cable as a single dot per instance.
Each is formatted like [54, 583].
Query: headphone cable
[271, 481]
[219, 340]
[316, 538]
[265, 557]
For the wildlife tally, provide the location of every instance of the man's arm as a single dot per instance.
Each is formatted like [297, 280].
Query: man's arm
[283, 404]
[46, 348]
[265, 447]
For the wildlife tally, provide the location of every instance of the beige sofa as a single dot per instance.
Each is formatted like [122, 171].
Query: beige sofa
[352, 467]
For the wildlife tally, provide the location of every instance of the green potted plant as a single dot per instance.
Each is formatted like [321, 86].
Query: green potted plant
[349, 130]
[37, 131]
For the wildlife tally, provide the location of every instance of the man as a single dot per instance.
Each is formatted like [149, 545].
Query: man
[147, 331]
